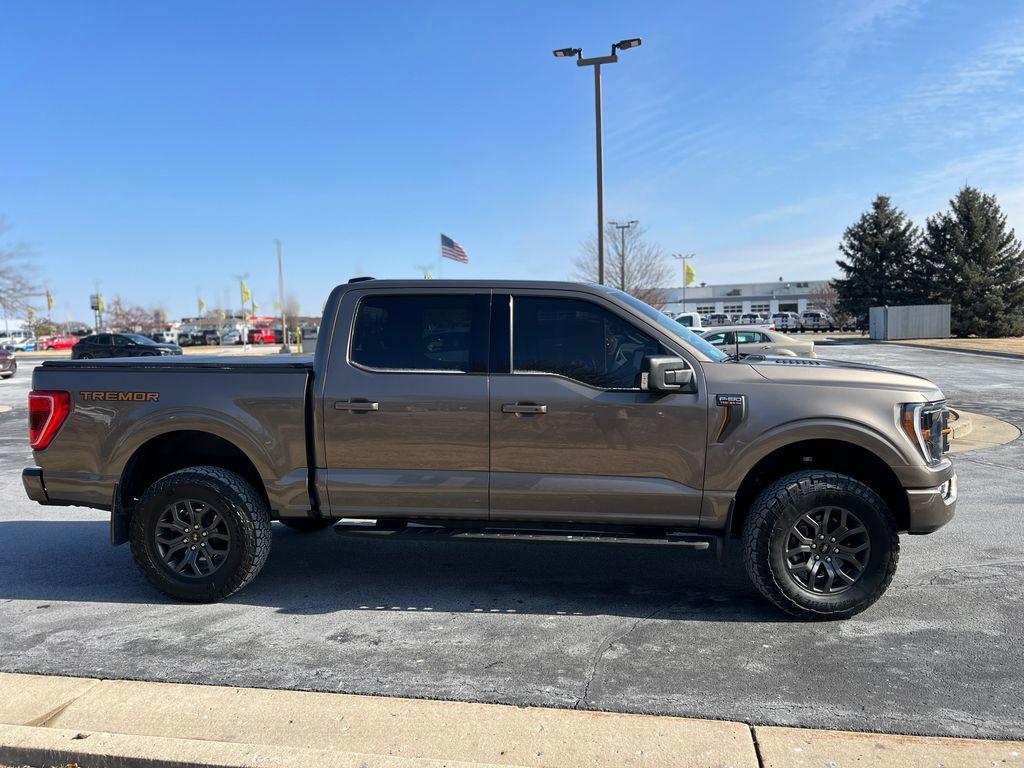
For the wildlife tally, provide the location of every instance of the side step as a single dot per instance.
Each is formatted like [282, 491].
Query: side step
[395, 530]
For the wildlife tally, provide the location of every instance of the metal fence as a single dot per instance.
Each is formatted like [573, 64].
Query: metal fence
[927, 321]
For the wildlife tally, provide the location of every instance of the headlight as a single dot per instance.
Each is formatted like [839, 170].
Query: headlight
[925, 426]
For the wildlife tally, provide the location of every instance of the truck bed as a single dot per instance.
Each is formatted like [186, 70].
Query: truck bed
[189, 363]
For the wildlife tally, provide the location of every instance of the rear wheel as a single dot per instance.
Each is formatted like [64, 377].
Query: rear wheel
[200, 534]
[820, 545]
[85, 356]
[306, 524]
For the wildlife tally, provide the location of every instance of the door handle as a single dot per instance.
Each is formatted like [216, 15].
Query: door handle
[355, 405]
[521, 408]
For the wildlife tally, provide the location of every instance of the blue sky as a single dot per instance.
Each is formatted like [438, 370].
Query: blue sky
[157, 149]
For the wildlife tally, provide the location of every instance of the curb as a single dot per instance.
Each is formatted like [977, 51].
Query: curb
[49, 720]
[961, 350]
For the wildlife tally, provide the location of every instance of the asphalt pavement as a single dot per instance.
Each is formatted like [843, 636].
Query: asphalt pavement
[621, 628]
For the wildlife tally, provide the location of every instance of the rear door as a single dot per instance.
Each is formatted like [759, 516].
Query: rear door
[404, 406]
[573, 437]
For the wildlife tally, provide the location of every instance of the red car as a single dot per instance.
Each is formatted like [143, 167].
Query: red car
[261, 335]
[57, 342]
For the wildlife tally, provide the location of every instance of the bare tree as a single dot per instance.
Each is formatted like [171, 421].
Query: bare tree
[16, 268]
[292, 307]
[639, 269]
[121, 316]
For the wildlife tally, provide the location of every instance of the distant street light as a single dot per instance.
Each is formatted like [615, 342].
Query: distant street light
[280, 287]
[622, 248]
[596, 62]
[683, 257]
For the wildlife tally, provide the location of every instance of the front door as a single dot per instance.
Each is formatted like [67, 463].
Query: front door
[404, 406]
[574, 438]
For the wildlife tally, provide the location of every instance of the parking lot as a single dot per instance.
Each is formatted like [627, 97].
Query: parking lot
[568, 625]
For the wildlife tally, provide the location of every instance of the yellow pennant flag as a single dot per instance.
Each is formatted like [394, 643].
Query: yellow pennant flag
[202, 306]
[49, 301]
[246, 295]
[689, 274]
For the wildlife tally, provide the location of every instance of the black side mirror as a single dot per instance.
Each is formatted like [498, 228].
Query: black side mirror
[666, 373]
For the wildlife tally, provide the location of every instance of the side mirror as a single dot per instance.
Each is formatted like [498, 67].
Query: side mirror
[666, 373]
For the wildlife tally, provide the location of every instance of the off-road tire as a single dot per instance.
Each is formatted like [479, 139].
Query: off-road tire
[306, 524]
[766, 528]
[244, 511]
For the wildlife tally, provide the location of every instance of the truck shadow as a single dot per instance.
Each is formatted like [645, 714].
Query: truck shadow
[320, 573]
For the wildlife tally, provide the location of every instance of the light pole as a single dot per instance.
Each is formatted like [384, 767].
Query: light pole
[683, 257]
[622, 249]
[596, 63]
[280, 287]
[245, 321]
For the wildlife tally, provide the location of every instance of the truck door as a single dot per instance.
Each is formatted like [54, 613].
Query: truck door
[573, 437]
[404, 407]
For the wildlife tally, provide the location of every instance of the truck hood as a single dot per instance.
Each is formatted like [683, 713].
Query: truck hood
[835, 373]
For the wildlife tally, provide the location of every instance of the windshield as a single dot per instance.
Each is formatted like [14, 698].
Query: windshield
[670, 325]
[139, 339]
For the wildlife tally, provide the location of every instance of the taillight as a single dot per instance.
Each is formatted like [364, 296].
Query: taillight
[47, 412]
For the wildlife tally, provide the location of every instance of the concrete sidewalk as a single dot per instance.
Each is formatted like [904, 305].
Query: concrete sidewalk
[105, 723]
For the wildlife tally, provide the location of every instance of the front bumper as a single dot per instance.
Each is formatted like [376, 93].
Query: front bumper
[932, 508]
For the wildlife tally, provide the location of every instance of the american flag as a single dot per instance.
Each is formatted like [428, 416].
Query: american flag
[452, 250]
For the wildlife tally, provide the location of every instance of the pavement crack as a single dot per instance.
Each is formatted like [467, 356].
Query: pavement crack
[606, 645]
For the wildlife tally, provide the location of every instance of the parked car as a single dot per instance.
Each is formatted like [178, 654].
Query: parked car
[120, 345]
[165, 337]
[231, 337]
[207, 337]
[814, 320]
[718, 319]
[24, 345]
[57, 342]
[758, 341]
[8, 365]
[261, 335]
[750, 318]
[577, 412]
[689, 320]
[786, 321]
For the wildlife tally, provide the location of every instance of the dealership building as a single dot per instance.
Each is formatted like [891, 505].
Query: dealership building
[739, 298]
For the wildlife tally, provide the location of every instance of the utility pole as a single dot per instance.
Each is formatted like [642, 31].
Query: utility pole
[683, 257]
[245, 324]
[280, 287]
[596, 63]
[622, 249]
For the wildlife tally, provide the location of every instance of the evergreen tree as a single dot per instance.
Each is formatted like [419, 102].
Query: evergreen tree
[882, 264]
[977, 266]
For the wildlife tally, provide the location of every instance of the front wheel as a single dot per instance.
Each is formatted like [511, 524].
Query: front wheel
[820, 545]
[200, 534]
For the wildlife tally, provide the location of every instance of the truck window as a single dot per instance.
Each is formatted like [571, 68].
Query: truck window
[414, 333]
[578, 340]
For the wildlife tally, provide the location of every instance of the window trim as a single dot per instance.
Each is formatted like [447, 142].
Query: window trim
[587, 299]
[479, 339]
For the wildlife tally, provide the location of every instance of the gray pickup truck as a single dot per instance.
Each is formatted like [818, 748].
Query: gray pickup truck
[494, 410]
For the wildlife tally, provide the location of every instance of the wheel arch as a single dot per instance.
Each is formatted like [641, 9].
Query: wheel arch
[178, 449]
[841, 456]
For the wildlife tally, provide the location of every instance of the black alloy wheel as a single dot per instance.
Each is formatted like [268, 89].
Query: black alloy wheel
[193, 538]
[827, 550]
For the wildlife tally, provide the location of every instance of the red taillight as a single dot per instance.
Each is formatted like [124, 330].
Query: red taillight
[47, 412]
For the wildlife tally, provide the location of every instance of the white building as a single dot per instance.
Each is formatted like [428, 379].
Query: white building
[739, 298]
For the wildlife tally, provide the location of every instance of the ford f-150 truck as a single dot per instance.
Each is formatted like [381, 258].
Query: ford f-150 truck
[500, 409]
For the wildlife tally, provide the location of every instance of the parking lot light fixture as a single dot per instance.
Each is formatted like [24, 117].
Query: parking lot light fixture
[596, 62]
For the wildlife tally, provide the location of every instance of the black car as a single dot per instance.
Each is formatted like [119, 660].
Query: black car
[120, 345]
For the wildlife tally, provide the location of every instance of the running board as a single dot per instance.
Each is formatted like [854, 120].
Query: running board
[425, 531]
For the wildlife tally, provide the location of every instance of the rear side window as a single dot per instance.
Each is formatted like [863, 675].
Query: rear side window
[445, 333]
[103, 339]
[578, 340]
